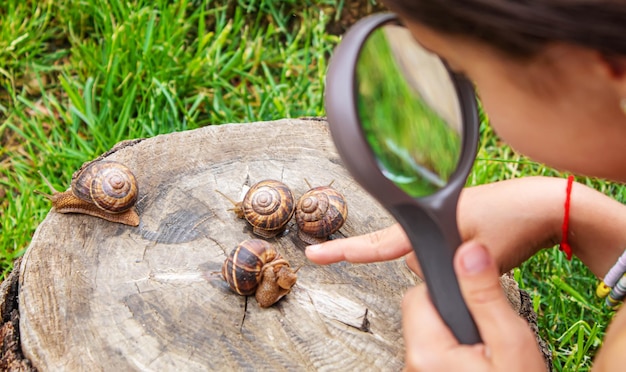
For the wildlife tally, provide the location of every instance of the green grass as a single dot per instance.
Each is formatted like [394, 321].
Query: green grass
[79, 76]
[395, 121]
[76, 77]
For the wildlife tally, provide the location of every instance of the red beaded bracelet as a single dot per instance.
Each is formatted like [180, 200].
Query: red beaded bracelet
[564, 246]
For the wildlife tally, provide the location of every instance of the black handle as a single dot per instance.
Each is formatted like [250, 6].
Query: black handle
[435, 254]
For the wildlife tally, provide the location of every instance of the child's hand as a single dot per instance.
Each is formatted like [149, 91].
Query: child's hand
[508, 343]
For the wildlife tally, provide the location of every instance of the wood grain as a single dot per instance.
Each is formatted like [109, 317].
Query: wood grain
[101, 296]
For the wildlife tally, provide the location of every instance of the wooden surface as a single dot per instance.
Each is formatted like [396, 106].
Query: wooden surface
[101, 296]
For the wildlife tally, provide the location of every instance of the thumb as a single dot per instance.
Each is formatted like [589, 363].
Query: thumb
[479, 280]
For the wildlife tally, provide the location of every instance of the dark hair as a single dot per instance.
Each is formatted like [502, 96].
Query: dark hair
[523, 27]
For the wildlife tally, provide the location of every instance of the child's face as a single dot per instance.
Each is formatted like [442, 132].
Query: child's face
[561, 107]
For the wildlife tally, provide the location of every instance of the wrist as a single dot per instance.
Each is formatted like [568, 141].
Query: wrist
[514, 219]
[597, 228]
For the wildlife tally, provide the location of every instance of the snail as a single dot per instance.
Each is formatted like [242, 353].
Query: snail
[254, 266]
[104, 189]
[268, 206]
[320, 212]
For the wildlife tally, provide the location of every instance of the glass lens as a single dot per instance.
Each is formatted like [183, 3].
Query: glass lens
[409, 111]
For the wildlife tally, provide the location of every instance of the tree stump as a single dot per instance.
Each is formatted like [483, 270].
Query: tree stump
[94, 295]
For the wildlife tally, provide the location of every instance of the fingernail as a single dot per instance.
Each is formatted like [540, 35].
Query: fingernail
[474, 258]
[313, 248]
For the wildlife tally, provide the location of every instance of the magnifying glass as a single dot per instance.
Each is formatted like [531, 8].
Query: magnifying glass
[406, 128]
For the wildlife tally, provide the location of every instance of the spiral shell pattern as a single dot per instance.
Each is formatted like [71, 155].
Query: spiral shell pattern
[268, 206]
[243, 267]
[109, 185]
[321, 211]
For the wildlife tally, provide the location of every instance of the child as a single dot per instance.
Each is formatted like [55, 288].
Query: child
[551, 75]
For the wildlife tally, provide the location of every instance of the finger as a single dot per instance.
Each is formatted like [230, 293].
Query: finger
[424, 330]
[381, 245]
[430, 345]
[479, 280]
[413, 264]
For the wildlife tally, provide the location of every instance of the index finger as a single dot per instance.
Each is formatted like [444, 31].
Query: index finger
[382, 245]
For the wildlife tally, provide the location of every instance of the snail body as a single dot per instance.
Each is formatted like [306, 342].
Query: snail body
[268, 206]
[255, 267]
[320, 212]
[103, 189]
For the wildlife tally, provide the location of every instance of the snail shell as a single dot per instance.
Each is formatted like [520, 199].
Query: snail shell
[320, 212]
[103, 189]
[268, 206]
[254, 266]
[109, 185]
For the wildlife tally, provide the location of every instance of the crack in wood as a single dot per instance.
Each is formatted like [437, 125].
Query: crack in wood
[145, 249]
[340, 233]
[316, 312]
[314, 118]
[219, 244]
[363, 327]
[203, 220]
[141, 199]
[215, 179]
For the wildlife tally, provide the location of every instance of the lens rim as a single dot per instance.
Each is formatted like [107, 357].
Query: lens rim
[429, 221]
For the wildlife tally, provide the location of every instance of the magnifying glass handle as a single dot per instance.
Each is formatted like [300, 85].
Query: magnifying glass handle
[435, 254]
